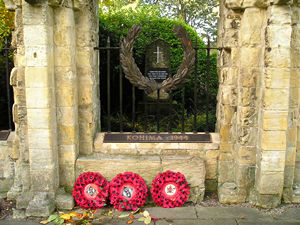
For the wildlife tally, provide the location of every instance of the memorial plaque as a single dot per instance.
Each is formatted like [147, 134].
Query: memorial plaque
[158, 62]
[156, 138]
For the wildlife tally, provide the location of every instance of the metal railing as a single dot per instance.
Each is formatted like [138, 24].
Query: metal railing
[8, 67]
[106, 109]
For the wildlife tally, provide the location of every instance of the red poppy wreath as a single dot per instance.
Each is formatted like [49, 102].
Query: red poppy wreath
[127, 191]
[170, 189]
[91, 190]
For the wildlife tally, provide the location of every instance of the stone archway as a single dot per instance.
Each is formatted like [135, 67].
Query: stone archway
[56, 106]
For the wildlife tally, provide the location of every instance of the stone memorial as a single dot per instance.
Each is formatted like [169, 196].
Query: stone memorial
[254, 156]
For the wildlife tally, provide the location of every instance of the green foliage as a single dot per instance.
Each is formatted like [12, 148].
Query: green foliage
[115, 25]
[6, 27]
[200, 14]
[6, 23]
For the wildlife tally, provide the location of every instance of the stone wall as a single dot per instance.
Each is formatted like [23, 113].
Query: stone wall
[7, 166]
[258, 103]
[56, 110]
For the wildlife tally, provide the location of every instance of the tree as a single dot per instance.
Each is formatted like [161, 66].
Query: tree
[6, 23]
[200, 14]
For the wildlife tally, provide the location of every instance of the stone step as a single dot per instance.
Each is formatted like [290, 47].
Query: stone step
[148, 167]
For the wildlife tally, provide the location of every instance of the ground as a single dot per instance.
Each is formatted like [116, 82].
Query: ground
[209, 212]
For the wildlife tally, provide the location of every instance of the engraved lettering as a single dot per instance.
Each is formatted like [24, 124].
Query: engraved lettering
[128, 138]
[159, 138]
[151, 138]
[135, 137]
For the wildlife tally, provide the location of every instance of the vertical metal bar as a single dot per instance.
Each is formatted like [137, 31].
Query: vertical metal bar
[157, 112]
[182, 110]
[8, 86]
[133, 108]
[121, 93]
[146, 115]
[206, 82]
[171, 112]
[195, 87]
[99, 83]
[108, 86]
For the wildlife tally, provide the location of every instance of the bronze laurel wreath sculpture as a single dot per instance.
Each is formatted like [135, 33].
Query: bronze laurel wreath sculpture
[134, 75]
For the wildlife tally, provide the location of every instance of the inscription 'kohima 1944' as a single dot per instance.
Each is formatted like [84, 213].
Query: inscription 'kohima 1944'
[144, 138]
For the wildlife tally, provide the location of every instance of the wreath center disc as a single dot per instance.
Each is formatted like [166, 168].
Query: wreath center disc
[91, 191]
[170, 190]
[127, 191]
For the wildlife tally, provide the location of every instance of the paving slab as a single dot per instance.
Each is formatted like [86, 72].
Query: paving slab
[292, 213]
[196, 222]
[14, 222]
[267, 222]
[173, 213]
[229, 213]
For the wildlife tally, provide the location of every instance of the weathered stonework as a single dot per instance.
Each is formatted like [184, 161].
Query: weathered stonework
[258, 103]
[254, 156]
[51, 61]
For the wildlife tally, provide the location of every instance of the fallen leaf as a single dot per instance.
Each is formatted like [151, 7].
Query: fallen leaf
[132, 217]
[124, 215]
[147, 220]
[52, 217]
[75, 214]
[146, 214]
[44, 222]
[242, 218]
[141, 219]
[136, 211]
[100, 220]
[65, 216]
[129, 222]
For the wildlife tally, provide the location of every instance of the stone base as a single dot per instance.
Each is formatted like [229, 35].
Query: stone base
[14, 192]
[148, 167]
[264, 201]
[23, 200]
[228, 193]
[63, 200]
[19, 214]
[40, 206]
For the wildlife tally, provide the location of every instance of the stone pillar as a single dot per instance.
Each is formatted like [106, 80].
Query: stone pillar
[275, 108]
[251, 45]
[295, 75]
[229, 25]
[66, 93]
[87, 28]
[259, 135]
[19, 152]
[41, 107]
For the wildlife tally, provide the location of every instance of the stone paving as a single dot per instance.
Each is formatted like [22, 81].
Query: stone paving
[201, 216]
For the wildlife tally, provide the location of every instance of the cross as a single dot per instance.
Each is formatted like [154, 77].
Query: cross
[158, 54]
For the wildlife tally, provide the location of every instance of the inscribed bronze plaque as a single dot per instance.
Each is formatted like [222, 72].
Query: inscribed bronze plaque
[158, 61]
[156, 138]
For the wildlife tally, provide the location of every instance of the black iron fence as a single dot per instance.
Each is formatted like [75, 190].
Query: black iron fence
[191, 108]
[6, 99]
